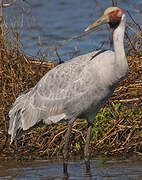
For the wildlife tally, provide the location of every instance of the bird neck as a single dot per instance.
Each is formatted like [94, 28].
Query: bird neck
[118, 40]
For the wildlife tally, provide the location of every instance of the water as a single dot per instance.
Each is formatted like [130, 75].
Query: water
[113, 169]
[53, 21]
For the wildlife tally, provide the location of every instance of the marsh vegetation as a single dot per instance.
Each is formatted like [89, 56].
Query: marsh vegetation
[117, 128]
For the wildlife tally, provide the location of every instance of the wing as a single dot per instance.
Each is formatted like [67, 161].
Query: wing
[69, 89]
[62, 93]
[56, 89]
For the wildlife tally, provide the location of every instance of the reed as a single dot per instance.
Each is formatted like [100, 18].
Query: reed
[118, 126]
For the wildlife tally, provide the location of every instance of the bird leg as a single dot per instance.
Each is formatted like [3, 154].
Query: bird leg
[67, 146]
[86, 148]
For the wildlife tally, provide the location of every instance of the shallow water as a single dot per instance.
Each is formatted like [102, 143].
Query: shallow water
[53, 21]
[114, 169]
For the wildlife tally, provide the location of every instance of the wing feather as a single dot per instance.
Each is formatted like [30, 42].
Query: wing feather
[62, 93]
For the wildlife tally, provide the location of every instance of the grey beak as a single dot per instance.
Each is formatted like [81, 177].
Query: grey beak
[102, 20]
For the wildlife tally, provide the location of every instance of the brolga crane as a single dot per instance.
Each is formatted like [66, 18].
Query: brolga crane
[75, 89]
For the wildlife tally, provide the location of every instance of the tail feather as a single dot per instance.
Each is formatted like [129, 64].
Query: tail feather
[15, 114]
[25, 114]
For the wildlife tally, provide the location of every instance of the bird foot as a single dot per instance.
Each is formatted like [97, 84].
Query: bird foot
[87, 164]
[65, 167]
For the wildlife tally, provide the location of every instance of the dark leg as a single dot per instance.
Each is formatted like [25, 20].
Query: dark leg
[67, 146]
[86, 148]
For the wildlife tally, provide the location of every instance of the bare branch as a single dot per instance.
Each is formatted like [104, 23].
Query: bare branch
[134, 20]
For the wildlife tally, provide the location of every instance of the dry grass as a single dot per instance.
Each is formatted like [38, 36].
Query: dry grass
[123, 132]
[118, 127]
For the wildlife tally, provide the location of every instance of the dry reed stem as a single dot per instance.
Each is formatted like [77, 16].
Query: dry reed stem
[14, 82]
[20, 73]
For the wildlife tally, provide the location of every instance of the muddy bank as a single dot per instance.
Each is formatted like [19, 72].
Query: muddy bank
[117, 129]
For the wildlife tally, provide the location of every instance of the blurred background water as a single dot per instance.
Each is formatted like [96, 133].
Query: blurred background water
[47, 23]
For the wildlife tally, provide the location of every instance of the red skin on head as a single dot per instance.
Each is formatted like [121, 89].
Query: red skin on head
[115, 18]
[116, 15]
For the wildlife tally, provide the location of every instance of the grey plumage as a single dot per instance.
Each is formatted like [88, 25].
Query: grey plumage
[69, 90]
[77, 88]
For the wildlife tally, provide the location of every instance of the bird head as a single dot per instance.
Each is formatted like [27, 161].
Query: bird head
[111, 16]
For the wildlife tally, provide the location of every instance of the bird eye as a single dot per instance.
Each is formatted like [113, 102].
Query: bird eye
[119, 14]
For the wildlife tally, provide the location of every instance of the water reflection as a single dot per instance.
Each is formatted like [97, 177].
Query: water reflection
[53, 21]
[52, 170]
